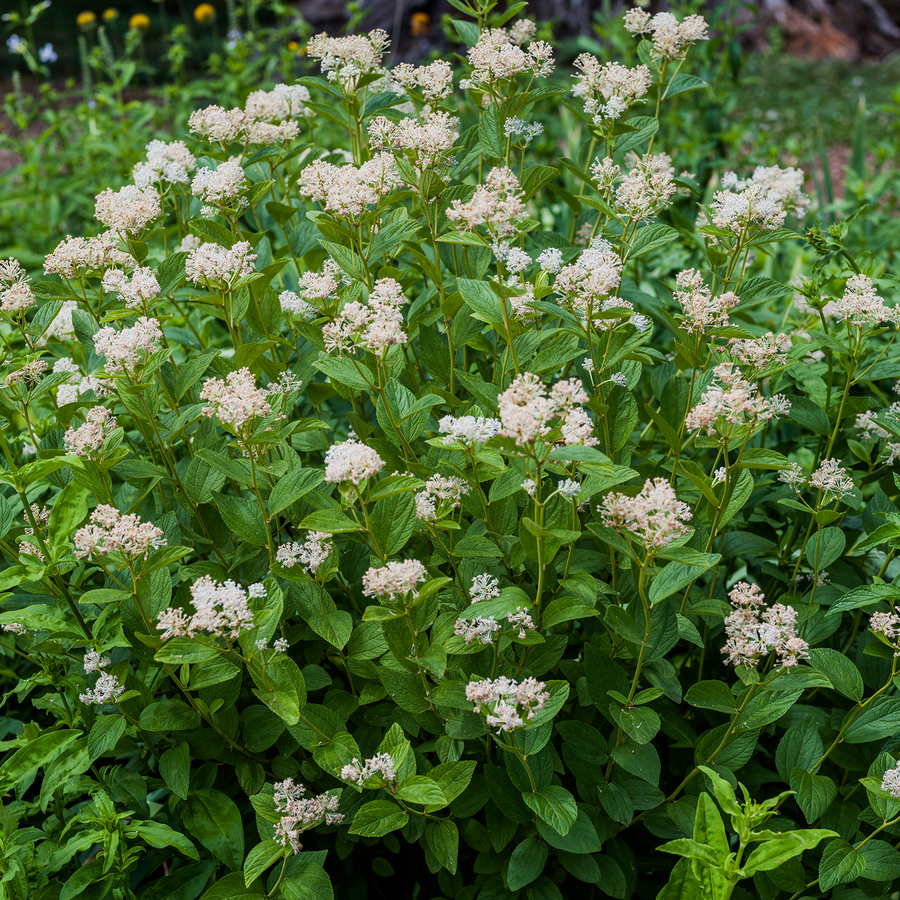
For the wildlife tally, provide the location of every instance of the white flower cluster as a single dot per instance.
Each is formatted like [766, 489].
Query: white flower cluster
[220, 609]
[732, 401]
[351, 461]
[78, 384]
[125, 350]
[701, 310]
[15, 293]
[309, 555]
[77, 257]
[669, 38]
[527, 409]
[467, 430]
[760, 202]
[484, 629]
[860, 305]
[88, 439]
[129, 210]
[507, 704]
[484, 587]
[221, 189]
[219, 266]
[376, 326]
[497, 204]
[434, 81]
[346, 59]
[395, 579]
[111, 532]
[266, 120]
[236, 400]
[441, 495]
[106, 689]
[655, 515]
[300, 813]
[138, 290]
[753, 631]
[167, 163]
[425, 144]
[609, 89]
[374, 772]
[348, 191]
[526, 132]
[498, 57]
[644, 190]
[588, 285]
[762, 352]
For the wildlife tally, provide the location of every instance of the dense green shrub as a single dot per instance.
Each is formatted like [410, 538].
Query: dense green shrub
[385, 511]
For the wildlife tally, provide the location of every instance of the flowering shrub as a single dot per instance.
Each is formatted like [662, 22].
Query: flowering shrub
[395, 495]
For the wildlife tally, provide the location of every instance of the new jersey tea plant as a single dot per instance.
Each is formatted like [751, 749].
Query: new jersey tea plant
[385, 513]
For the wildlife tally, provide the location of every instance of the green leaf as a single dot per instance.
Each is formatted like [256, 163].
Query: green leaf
[883, 804]
[711, 695]
[68, 512]
[814, 793]
[105, 734]
[242, 516]
[526, 863]
[775, 851]
[260, 858]
[823, 549]
[882, 861]
[291, 487]
[452, 778]
[841, 671]
[329, 521]
[866, 595]
[421, 789]
[158, 835]
[307, 881]
[581, 837]
[682, 84]
[377, 819]
[283, 690]
[490, 127]
[639, 723]
[175, 769]
[880, 719]
[230, 887]
[682, 884]
[651, 237]
[555, 805]
[36, 753]
[214, 819]
[840, 864]
[723, 790]
[169, 715]
[677, 575]
[442, 839]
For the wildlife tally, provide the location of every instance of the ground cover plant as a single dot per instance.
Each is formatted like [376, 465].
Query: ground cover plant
[387, 510]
